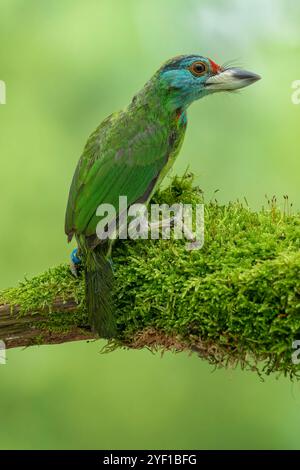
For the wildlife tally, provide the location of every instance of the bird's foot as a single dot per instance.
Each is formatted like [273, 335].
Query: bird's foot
[75, 264]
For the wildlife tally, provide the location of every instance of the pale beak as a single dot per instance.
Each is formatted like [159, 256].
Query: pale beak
[231, 79]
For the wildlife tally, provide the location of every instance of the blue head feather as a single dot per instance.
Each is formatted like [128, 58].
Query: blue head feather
[183, 86]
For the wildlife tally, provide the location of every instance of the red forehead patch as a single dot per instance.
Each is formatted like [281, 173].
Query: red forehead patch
[215, 67]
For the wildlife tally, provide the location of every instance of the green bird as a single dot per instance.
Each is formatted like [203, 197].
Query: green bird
[128, 155]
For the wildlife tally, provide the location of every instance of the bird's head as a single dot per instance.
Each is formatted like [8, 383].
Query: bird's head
[190, 77]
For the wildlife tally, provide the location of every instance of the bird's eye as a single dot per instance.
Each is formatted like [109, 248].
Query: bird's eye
[198, 68]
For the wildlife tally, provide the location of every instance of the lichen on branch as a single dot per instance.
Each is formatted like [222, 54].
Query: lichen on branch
[235, 301]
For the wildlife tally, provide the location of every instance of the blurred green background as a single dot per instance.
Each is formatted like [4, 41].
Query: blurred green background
[67, 64]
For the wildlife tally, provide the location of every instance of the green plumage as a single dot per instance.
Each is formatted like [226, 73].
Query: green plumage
[128, 155]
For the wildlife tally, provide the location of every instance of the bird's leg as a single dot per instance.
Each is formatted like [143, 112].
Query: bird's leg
[75, 262]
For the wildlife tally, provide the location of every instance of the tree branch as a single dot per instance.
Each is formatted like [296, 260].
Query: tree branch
[235, 301]
[25, 330]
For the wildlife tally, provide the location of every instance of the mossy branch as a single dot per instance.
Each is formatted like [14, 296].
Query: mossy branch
[235, 301]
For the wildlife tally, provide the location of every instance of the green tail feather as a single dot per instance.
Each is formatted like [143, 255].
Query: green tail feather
[99, 284]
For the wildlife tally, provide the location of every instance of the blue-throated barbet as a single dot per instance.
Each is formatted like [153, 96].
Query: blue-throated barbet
[129, 154]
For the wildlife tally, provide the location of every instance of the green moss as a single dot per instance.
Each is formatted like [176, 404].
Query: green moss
[38, 294]
[240, 293]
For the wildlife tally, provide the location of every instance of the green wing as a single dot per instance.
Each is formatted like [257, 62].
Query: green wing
[124, 156]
